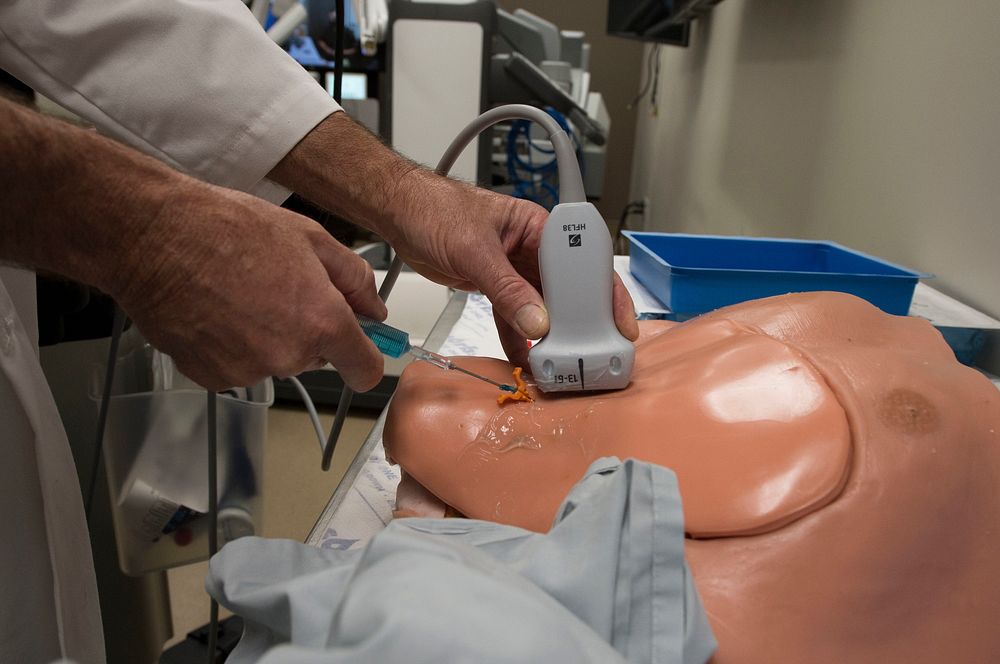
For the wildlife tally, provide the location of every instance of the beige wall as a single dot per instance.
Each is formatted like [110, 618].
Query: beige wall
[875, 123]
[614, 67]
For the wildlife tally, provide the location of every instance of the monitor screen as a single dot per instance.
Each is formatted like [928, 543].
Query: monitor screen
[354, 85]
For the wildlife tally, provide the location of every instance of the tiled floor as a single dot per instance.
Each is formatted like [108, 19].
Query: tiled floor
[295, 492]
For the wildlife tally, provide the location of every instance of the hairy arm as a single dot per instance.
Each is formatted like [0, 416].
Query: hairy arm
[232, 287]
[68, 198]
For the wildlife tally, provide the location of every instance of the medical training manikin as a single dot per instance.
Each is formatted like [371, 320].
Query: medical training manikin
[839, 472]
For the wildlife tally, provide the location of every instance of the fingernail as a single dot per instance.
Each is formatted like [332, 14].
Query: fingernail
[532, 320]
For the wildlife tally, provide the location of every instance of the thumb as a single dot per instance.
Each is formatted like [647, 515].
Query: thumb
[513, 298]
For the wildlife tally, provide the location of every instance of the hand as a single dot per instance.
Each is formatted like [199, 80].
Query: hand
[235, 289]
[471, 238]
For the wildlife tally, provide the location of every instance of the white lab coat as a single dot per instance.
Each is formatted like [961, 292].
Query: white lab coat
[48, 595]
[197, 84]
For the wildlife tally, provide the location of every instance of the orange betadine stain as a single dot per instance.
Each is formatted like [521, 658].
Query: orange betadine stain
[522, 390]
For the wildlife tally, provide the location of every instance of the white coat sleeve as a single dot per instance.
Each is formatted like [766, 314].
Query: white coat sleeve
[195, 83]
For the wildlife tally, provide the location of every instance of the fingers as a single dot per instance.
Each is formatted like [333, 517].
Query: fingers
[352, 276]
[624, 310]
[344, 345]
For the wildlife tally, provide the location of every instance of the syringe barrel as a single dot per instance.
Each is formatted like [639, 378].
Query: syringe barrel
[387, 339]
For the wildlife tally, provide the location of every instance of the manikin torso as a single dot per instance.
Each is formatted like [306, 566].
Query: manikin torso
[840, 473]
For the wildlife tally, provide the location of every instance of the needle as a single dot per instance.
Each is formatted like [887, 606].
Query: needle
[395, 342]
[445, 363]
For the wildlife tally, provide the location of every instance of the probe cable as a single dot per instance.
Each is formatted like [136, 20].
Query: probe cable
[310, 408]
[213, 515]
[539, 174]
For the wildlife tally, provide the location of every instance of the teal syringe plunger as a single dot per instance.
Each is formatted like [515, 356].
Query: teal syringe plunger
[396, 343]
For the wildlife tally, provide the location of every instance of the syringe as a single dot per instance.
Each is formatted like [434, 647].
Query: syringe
[395, 343]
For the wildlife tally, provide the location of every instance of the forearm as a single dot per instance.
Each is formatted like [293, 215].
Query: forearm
[343, 168]
[70, 200]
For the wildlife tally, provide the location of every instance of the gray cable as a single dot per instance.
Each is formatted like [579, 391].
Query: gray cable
[570, 181]
[213, 515]
[117, 327]
[570, 191]
[311, 408]
[344, 405]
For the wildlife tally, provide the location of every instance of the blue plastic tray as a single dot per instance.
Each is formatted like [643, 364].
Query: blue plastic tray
[692, 274]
